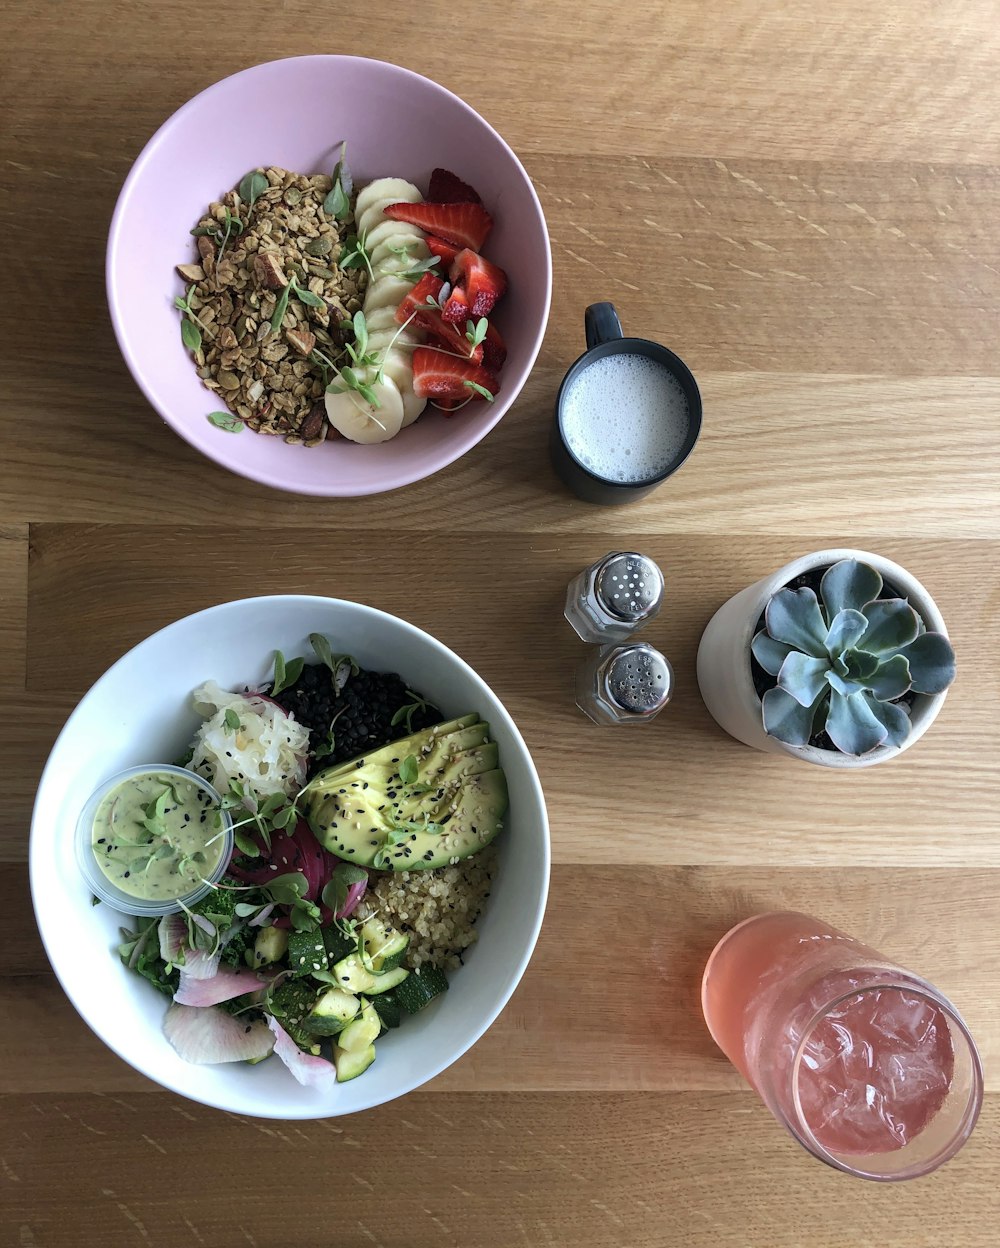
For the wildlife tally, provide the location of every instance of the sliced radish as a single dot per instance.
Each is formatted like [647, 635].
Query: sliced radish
[208, 1037]
[225, 984]
[310, 1071]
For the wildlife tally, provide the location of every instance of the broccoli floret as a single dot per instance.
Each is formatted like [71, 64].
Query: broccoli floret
[235, 949]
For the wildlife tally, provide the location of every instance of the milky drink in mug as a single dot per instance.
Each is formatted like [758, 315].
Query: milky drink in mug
[628, 414]
[626, 418]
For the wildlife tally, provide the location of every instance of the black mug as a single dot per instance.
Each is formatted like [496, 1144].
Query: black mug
[604, 338]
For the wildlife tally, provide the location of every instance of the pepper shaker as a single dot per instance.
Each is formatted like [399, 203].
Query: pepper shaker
[624, 684]
[614, 597]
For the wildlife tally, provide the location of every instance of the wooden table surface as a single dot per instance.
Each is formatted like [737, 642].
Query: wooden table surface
[802, 201]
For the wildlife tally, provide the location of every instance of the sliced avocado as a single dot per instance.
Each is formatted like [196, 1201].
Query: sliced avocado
[350, 1065]
[270, 946]
[474, 820]
[364, 812]
[333, 1011]
[362, 1032]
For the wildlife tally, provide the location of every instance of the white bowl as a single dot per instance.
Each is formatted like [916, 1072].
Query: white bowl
[141, 709]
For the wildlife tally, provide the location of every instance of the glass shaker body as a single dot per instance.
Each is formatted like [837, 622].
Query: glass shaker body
[626, 684]
[614, 597]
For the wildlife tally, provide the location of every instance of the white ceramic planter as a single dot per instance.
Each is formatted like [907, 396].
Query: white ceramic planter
[724, 674]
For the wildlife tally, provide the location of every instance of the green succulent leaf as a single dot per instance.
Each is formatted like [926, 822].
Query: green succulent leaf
[848, 586]
[857, 665]
[803, 677]
[842, 686]
[786, 719]
[853, 726]
[770, 654]
[892, 717]
[891, 680]
[932, 663]
[793, 616]
[846, 629]
[892, 624]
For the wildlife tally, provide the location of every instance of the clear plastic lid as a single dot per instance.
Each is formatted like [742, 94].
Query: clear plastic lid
[105, 889]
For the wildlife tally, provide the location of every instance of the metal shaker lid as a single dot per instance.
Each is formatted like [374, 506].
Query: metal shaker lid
[629, 586]
[639, 679]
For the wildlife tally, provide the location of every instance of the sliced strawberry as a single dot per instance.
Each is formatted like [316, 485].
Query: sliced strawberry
[429, 285]
[443, 334]
[484, 283]
[448, 188]
[494, 350]
[439, 375]
[446, 252]
[464, 224]
[456, 307]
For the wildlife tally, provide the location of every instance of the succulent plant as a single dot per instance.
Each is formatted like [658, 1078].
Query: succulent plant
[842, 663]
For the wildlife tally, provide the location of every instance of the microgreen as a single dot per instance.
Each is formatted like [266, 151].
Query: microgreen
[339, 884]
[333, 661]
[418, 268]
[407, 712]
[226, 421]
[408, 769]
[285, 674]
[348, 378]
[231, 721]
[355, 255]
[476, 331]
[338, 202]
[478, 389]
[190, 333]
[304, 296]
[252, 187]
[232, 222]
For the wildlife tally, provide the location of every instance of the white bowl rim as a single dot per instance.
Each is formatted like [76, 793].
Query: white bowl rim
[179, 427]
[36, 866]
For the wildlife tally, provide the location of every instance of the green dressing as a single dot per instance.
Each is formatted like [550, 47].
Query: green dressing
[155, 836]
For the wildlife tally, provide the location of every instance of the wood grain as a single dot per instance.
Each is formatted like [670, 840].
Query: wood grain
[801, 202]
[694, 1170]
[600, 1009]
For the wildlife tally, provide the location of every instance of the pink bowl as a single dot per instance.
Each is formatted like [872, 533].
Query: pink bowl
[294, 113]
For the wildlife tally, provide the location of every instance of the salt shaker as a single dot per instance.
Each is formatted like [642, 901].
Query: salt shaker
[624, 684]
[614, 597]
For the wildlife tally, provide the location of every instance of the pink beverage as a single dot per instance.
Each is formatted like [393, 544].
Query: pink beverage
[865, 1063]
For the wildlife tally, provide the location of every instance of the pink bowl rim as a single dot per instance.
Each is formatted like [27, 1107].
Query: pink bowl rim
[338, 489]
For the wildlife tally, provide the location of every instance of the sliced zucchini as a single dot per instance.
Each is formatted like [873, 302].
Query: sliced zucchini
[350, 1065]
[352, 975]
[387, 981]
[307, 953]
[388, 1009]
[270, 946]
[420, 988]
[333, 1011]
[383, 944]
[338, 944]
[362, 1032]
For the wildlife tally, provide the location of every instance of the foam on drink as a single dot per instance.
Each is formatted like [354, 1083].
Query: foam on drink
[625, 418]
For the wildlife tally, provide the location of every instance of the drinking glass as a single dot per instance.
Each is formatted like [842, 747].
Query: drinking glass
[866, 1064]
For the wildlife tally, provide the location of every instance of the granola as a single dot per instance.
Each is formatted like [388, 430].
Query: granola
[249, 254]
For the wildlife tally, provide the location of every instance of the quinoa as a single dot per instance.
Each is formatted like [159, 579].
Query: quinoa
[437, 909]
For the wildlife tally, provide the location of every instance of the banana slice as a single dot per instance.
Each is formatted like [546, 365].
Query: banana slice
[397, 367]
[388, 291]
[372, 215]
[381, 318]
[416, 249]
[381, 339]
[360, 421]
[388, 229]
[392, 190]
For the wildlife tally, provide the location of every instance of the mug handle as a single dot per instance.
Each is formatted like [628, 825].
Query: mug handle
[601, 324]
